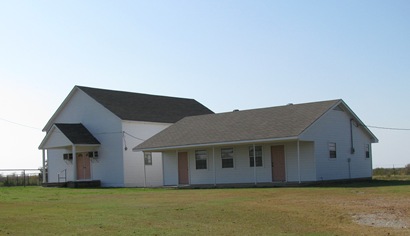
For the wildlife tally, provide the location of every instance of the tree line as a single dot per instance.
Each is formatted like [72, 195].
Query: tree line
[392, 171]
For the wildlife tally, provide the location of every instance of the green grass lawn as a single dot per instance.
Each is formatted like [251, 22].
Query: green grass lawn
[332, 210]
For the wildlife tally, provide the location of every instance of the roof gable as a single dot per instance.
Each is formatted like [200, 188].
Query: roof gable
[137, 106]
[62, 135]
[145, 107]
[258, 124]
[77, 133]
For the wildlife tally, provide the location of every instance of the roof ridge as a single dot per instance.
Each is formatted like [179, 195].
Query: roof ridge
[271, 107]
[123, 91]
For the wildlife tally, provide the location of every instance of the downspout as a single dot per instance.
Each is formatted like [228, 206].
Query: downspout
[351, 137]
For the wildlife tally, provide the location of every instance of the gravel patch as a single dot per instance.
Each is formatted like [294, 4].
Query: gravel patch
[381, 220]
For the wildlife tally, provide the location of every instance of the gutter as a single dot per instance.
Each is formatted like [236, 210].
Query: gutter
[156, 149]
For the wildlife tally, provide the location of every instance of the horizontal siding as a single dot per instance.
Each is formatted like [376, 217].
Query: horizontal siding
[170, 163]
[306, 161]
[242, 172]
[106, 127]
[334, 127]
[56, 165]
[134, 173]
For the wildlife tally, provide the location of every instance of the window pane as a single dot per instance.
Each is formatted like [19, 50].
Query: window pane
[367, 151]
[148, 158]
[227, 163]
[332, 150]
[201, 159]
[227, 157]
[258, 152]
[227, 153]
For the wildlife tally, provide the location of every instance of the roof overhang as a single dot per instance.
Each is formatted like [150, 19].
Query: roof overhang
[203, 145]
[50, 122]
[373, 137]
[56, 139]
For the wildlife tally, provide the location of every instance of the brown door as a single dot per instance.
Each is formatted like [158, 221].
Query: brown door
[278, 163]
[183, 168]
[83, 166]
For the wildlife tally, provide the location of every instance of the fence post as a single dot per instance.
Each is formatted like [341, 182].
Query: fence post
[24, 178]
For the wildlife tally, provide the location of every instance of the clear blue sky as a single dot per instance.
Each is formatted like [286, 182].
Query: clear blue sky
[225, 54]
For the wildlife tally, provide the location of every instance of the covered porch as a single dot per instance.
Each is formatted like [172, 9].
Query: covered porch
[281, 162]
[71, 150]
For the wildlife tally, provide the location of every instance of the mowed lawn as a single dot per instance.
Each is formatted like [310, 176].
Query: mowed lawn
[377, 208]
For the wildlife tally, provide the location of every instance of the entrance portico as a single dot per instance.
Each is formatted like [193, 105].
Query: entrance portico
[77, 146]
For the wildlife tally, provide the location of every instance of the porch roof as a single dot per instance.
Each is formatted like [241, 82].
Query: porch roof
[68, 134]
[77, 133]
[256, 125]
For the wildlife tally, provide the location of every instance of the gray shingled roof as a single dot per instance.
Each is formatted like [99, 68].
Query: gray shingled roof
[77, 133]
[145, 107]
[257, 124]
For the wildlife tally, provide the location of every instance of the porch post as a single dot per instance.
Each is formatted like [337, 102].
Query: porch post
[74, 163]
[44, 166]
[254, 165]
[214, 166]
[145, 174]
[298, 161]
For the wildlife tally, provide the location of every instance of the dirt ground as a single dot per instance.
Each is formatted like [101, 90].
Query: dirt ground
[378, 212]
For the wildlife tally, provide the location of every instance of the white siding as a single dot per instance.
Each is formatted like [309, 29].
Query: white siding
[306, 161]
[242, 171]
[57, 165]
[56, 139]
[134, 174]
[334, 126]
[170, 164]
[106, 127]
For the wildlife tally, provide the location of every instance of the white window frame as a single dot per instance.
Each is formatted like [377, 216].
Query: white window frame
[251, 159]
[148, 158]
[331, 146]
[367, 153]
[225, 157]
[201, 155]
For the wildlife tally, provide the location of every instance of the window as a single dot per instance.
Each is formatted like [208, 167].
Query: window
[148, 159]
[332, 150]
[227, 157]
[258, 158]
[200, 159]
[367, 148]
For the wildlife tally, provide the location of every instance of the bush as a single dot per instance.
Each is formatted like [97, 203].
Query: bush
[407, 169]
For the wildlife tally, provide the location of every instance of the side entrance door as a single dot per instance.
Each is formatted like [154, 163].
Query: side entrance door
[183, 168]
[278, 163]
[83, 166]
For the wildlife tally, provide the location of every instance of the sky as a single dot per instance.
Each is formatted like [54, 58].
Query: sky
[225, 54]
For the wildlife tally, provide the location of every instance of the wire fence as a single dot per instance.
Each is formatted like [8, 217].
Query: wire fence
[20, 177]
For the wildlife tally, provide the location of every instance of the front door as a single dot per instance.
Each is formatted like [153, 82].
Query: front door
[183, 168]
[83, 166]
[278, 163]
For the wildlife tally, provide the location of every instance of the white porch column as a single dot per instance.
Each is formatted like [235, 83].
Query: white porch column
[145, 173]
[44, 166]
[298, 160]
[214, 166]
[254, 165]
[74, 163]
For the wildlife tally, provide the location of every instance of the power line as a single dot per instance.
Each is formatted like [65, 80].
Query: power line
[12, 122]
[388, 128]
[132, 136]
[31, 127]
